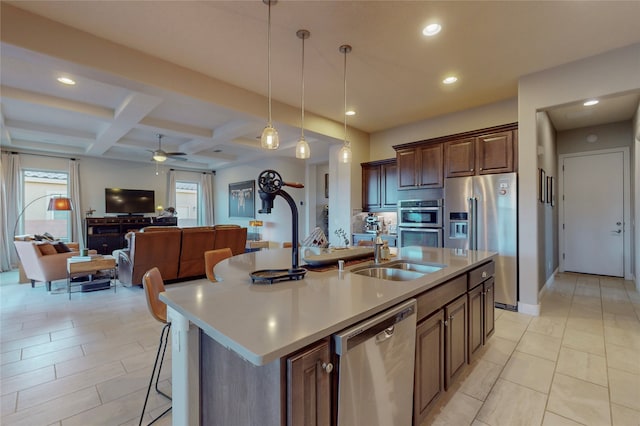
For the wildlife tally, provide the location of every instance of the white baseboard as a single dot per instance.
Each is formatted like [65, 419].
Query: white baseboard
[526, 308]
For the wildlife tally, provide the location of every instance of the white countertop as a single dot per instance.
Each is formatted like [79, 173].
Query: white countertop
[263, 322]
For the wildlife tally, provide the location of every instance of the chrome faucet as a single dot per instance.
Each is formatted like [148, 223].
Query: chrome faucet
[378, 243]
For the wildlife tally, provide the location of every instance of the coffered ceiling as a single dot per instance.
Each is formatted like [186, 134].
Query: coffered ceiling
[201, 74]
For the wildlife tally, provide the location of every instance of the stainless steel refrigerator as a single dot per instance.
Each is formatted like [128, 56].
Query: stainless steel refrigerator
[481, 213]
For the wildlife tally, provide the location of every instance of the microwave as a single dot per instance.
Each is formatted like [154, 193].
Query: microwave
[420, 214]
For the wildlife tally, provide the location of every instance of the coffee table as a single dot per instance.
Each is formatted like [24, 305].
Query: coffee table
[77, 267]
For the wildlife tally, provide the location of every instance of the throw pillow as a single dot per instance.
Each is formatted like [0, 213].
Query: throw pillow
[47, 249]
[61, 247]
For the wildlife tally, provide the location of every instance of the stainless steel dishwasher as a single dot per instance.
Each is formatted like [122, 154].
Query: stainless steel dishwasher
[376, 359]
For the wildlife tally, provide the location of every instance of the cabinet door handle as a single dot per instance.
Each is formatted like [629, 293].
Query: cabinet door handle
[327, 367]
[484, 274]
[446, 323]
[471, 169]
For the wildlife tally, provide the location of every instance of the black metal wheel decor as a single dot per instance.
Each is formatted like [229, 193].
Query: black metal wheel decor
[270, 181]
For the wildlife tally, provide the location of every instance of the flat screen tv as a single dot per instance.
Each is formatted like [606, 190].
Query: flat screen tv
[129, 201]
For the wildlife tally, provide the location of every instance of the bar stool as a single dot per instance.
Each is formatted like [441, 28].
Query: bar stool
[211, 259]
[153, 286]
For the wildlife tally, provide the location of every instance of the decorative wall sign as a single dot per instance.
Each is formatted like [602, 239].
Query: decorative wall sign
[242, 199]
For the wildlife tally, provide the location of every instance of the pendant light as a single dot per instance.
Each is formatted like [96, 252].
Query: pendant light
[269, 138]
[345, 151]
[302, 147]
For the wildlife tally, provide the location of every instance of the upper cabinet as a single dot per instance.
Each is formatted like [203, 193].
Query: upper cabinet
[420, 167]
[424, 164]
[484, 154]
[379, 185]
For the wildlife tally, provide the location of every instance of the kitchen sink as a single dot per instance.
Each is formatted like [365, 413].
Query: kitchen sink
[398, 270]
[424, 268]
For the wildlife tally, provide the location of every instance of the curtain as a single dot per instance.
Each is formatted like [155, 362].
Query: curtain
[10, 202]
[206, 185]
[171, 189]
[77, 233]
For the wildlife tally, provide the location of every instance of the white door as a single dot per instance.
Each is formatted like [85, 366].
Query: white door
[593, 214]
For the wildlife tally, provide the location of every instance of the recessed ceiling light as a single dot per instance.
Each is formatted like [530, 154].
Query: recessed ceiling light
[66, 80]
[450, 80]
[350, 112]
[431, 30]
[591, 102]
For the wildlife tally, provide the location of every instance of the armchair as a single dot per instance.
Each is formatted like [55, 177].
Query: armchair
[38, 266]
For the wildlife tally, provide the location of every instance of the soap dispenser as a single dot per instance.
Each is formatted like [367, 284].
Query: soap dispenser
[385, 250]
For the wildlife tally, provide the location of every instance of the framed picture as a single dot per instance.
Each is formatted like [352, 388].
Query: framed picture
[326, 185]
[550, 192]
[242, 199]
[542, 186]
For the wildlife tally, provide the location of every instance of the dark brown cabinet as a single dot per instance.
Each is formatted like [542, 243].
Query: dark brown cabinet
[309, 387]
[460, 157]
[481, 300]
[476, 314]
[420, 167]
[429, 366]
[379, 186]
[483, 154]
[455, 322]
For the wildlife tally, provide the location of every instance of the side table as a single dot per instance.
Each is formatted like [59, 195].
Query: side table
[83, 267]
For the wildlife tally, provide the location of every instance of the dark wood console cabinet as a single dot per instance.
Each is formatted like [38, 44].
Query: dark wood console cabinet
[106, 234]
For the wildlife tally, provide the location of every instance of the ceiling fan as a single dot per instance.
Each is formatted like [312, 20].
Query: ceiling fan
[160, 156]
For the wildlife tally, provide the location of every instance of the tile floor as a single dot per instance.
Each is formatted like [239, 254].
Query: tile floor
[578, 363]
[87, 361]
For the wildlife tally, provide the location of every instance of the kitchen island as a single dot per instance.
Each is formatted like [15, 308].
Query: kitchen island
[253, 329]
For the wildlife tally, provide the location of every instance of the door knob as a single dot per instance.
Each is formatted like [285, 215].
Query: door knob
[618, 231]
[327, 367]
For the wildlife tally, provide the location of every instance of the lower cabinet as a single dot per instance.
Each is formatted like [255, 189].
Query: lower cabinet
[429, 367]
[309, 387]
[489, 319]
[481, 300]
[455, 339]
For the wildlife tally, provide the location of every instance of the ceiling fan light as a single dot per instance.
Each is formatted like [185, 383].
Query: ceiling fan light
[159, 156]
[302, 149]
[269, 138]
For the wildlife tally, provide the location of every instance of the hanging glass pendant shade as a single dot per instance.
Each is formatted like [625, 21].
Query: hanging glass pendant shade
[345, 152]
[302, 147]
[269, 138]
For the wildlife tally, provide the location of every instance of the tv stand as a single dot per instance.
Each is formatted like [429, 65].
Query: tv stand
[131, 215]
[106, 234]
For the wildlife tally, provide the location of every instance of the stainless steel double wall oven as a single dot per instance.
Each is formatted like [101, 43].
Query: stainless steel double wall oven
[420, 223]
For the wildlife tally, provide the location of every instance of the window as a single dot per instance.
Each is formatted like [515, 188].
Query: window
[187, 203]
[39, 187]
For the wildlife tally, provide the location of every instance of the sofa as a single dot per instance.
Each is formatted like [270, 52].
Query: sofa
[45, 261]
[177, 252]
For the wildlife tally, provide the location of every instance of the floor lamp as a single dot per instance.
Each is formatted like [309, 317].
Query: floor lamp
[58, 202]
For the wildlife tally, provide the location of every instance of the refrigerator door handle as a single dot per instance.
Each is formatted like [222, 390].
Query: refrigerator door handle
[472, 201]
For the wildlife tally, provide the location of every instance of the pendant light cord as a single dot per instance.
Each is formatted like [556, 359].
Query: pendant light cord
[302, 91]
[269, 59]
[345, 96]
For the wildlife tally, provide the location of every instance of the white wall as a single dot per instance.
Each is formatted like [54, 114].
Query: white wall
[97, 174]
[504, 112]
[547, 215]
[612, 72]
[635, 197]
[277, 225]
